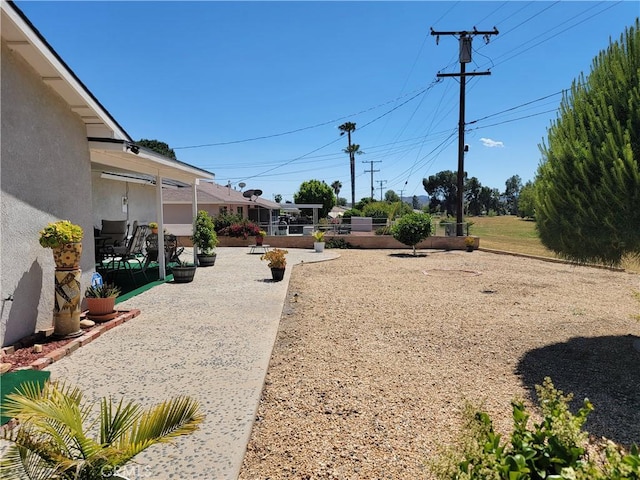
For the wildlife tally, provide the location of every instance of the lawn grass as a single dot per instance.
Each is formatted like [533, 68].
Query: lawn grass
[514, 234]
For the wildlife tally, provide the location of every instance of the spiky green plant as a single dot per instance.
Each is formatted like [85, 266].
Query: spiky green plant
[106, 290]
[53, 441]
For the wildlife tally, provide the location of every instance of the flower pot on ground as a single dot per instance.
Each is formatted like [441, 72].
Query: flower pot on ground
[260, 237]
[183, 273]
[205, 239]
[277, 261]
[101, 301]
[318, 236]
[469, 243]
[64, 238]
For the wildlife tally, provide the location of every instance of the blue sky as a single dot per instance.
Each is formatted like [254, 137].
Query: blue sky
[225, 83]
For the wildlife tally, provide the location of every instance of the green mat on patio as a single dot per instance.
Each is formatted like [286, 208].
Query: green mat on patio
[122, 278]
[9, 383]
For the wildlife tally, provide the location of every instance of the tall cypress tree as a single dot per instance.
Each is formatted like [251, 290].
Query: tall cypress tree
[587, 188]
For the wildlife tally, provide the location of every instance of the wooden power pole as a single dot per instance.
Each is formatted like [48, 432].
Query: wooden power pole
[465, 39]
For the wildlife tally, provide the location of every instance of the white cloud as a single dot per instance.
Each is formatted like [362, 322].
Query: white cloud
[487, 142]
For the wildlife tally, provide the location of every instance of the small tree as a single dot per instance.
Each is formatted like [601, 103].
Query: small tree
[412, 228]
[204, 233]
[162, 148]
[316, 191]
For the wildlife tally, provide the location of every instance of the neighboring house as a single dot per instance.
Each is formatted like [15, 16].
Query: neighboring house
[57, 143]
[215, 199]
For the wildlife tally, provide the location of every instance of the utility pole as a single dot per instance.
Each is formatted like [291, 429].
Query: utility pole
[402, 190]
[381, 182]
[465, 39]
[372, 170]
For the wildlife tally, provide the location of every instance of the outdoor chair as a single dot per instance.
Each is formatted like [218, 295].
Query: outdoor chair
[114, 232]
[172, 249]
[126, 258]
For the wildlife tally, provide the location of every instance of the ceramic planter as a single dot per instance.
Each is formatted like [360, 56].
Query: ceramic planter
[67, 256]
[318, 246]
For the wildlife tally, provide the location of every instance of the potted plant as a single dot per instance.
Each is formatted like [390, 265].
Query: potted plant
[318, 236]
[205, 239]
[183, 272]
[154, 227]
[57, 438]
[64, 238]
[469, 242]
[260, 237]
[101, 301]
[277, 262]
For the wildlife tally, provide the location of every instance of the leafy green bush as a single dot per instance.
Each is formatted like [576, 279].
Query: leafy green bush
[337, 242]
[383, 231]
[225, 220]
[553, 449]
[204, 235]
[352, 212]
[58, 233]
[412, 228]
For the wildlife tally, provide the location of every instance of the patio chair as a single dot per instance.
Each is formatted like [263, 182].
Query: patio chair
[125, 258]
[114, 232]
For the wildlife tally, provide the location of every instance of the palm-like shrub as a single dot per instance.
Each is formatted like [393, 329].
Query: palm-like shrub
[53, 439]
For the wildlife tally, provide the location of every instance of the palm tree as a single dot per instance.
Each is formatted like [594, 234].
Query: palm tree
[347, 128]
[337, 185]
[51, 441]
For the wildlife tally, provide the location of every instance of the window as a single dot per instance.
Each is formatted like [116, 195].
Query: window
[223, 210]
[240, 210]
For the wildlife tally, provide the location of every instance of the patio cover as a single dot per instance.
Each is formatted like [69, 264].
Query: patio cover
[110, 146]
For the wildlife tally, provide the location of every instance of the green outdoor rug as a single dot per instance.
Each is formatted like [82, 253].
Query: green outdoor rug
[122, 278]
[9, 383]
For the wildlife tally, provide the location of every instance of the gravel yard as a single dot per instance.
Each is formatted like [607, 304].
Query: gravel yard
[378, 351]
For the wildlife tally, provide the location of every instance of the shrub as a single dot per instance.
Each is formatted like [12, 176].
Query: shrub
[412, 229]
[243, 229]
[383, 230]
[338, 242]
[551, 449]
[58, 233]
[352, 212]
[225, 220]
[204, 235]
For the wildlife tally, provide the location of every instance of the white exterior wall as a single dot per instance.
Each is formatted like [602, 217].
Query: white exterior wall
[45, 175]
[107, 201]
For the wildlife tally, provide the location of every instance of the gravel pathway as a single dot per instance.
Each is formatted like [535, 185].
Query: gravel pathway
[377, 352]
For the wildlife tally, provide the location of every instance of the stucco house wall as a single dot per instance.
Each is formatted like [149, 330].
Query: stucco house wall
[107, 201]
[45, 176]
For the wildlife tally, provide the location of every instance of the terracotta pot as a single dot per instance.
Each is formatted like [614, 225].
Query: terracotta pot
[101, 306]
[67, 256]
[259, 240]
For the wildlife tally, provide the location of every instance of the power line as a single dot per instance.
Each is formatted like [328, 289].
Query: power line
[302, 129]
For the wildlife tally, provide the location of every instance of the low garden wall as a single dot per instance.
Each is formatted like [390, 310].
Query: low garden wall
[356, 241]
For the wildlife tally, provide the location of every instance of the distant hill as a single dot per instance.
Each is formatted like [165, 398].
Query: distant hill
[423, 199]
